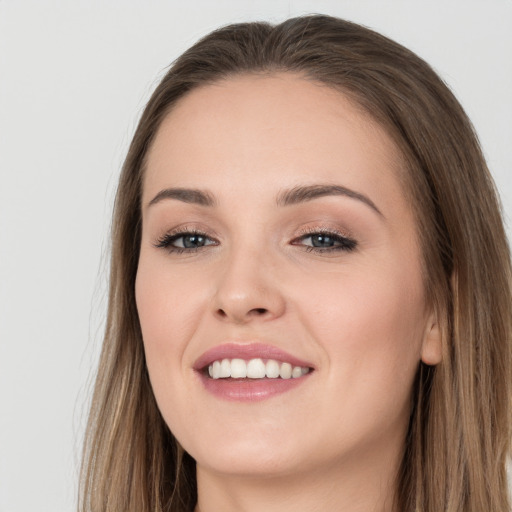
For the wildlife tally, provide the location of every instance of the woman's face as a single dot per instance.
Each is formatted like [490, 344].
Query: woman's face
[276, 233]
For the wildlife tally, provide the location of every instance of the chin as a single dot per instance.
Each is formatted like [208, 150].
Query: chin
[250, 465]
[248, 455]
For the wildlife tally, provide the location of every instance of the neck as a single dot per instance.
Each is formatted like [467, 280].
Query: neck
[362, 485]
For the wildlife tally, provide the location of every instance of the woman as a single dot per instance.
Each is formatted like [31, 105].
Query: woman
[310, 299]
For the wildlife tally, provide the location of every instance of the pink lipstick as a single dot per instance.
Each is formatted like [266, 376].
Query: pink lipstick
[250, 372]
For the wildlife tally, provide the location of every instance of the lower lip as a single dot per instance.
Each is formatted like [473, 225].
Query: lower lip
[249, 390]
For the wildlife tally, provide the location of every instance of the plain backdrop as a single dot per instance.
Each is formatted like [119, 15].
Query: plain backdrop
[74, 77]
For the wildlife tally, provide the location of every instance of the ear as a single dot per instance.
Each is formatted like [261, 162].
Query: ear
[432, 347]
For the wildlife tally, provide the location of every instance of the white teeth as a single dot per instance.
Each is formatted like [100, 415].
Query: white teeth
[238, 369]
[286, 371]
[272, 369]
[225, 368]
[297, 372]
[254, 369]
[216, 369]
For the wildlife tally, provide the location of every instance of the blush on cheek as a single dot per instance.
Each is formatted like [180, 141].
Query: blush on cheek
[377, 320]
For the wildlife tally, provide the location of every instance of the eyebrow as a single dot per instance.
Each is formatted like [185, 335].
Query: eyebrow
[296, 195]
[302, 194]
[186, 195]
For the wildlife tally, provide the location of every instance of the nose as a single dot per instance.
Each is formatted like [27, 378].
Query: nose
[247, 289]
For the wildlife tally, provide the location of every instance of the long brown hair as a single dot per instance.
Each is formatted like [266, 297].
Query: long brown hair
[460, 428]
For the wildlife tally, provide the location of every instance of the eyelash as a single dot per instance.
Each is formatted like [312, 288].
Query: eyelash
[345, 243]
[166, 241]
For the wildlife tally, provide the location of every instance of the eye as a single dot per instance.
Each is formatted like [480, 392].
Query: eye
[184, 241]
[325, 241]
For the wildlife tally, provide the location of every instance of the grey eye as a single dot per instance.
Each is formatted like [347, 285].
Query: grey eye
[191, 241]
[184, 241]
[326, 242]
[322, 240]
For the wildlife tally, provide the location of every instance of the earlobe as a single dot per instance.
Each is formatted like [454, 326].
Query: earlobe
[431, 349]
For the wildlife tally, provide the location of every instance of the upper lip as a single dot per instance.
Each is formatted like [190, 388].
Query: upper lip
[247, 351]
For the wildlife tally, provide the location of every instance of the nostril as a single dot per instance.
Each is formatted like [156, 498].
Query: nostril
[242, 315]
[252, 312]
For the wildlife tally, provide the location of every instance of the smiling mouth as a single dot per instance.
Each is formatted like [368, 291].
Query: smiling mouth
[254, 369]
[250, 372]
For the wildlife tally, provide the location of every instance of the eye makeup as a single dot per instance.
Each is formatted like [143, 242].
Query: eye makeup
[318, 240]
[325, 240]
[184, 240]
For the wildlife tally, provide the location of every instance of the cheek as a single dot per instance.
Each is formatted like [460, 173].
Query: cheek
[168, 315]
[370, 323]
[167, 302]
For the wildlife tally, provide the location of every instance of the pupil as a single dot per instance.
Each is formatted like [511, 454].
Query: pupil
[322, 241]
[191, 241]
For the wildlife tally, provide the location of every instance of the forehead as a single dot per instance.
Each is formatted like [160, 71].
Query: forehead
[278, 129]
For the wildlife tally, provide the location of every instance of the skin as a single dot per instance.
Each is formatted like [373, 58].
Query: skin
[359, 317]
